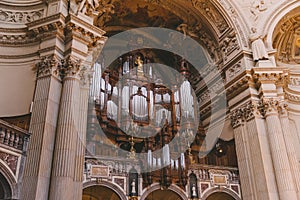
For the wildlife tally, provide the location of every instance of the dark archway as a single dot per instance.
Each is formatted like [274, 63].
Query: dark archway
[163, 195]
[97, 192]
[220, 196]
[5, 189]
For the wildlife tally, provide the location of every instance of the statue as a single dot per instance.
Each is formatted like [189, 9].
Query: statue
[258, 46]
[139, 63]
[133, 191]
[88, 6]
[194, 193]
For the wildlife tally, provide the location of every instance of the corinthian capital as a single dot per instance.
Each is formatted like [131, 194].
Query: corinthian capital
[246, 112]
[48, 66]
[71, 68]
[271, 106]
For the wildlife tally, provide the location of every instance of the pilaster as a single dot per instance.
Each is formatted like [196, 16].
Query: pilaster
[43, 126]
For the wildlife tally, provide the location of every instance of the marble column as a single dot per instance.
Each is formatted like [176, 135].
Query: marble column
[81, 137]
[282, 168]
[37, 170]
[62, 177]
[242, 151]
[289, 141]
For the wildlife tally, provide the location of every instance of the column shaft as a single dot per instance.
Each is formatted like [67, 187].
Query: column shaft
[81, 143]
[291, 151]
[62, 186]
[261, 160]
[280, 159]
[244, 166]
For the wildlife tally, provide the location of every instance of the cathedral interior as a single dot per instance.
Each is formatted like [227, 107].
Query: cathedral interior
[150, 99]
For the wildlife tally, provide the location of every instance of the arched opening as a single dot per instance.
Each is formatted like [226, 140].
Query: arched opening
[5, 189]
[97, 192]
[220, 196]
[163, 195]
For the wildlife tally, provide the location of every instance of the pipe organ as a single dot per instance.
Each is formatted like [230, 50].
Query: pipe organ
[132, 94]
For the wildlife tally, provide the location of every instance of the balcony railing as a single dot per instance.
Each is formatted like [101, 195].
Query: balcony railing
[13, 137]
[205, 171]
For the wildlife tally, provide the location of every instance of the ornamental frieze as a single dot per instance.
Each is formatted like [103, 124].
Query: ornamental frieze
[20, 17]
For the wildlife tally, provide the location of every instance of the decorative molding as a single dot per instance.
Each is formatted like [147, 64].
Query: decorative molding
[20, 17]
[292, 97]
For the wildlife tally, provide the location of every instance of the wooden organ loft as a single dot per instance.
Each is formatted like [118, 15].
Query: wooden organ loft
[149, 114]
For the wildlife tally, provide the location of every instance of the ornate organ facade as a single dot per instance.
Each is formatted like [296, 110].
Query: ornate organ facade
[222, 125]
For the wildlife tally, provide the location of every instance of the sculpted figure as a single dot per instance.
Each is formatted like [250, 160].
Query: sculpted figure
[258, 46]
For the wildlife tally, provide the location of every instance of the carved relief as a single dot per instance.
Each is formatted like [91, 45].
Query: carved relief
[10, 160]
[257, 7]
[20, 16]
[229, 44]
[208, 9]
[233, 71]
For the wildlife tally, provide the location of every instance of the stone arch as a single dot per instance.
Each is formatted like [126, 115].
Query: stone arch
[9, 178]
[224, 190]
[107, 184]
[275, 17]
[174, 188]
